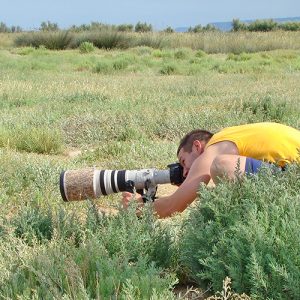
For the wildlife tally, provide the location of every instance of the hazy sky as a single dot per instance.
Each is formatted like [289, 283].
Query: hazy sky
[160, 13]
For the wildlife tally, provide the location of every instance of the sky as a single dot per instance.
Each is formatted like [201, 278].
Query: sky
[160, 13]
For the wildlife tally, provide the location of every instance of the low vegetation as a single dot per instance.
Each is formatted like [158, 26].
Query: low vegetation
[244, 231]
[126, 108]
[210, 42]
[264, 25]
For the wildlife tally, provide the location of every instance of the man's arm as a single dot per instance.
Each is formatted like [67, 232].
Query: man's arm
[187, 192]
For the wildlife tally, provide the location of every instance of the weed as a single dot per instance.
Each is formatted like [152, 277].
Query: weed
[169, 69]
[200, 53]
[103, 66]
[86, 47]
[182, 53]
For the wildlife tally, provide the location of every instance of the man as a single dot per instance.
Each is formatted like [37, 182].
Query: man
[205, 156]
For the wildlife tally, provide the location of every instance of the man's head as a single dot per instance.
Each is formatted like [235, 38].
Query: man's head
[191, 146]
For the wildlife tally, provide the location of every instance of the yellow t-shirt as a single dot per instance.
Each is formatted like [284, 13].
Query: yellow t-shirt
[267, 141]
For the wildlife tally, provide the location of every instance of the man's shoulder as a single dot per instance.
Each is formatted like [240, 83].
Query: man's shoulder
[223, 147]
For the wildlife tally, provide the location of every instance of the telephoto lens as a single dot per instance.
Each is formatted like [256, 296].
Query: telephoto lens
[91, 183]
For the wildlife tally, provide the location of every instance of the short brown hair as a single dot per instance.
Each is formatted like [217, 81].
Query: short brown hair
[187, 141]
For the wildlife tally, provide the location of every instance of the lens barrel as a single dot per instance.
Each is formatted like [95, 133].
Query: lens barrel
[76, 185]
[91, 183]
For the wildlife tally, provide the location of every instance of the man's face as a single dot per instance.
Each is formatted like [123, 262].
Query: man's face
[186, 159]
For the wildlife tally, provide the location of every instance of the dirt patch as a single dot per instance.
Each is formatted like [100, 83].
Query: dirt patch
[73, 153]
[166, 190]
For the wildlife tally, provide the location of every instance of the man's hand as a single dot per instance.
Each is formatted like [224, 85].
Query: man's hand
[127, 197]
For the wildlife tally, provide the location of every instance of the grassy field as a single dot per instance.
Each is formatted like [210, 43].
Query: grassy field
[114, 109]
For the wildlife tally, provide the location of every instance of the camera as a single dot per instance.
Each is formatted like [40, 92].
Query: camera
[91, 183]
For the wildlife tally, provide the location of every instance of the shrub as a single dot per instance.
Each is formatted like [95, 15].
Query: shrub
[248, 231]
[196, 29]
[239, 57]
[86, 47]
[38, 140]
[169, 69]
[57, 40]
[195, 60]
[107, 39]
[169, 30]
[32, 225]
[262, 25]
[200, 53]
[182, 53]
[125, 27]
[49, 26]
[237, 25]
[210, 27]
[161, 53]
[290, 26]
[142, 27]
[109, 261]
[120, 63]
[103, 66]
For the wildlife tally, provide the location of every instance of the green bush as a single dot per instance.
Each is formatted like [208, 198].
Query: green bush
[182, 53]
[290, 26]
[162, 53]
[107, 39]
[120, 64]
[123, 61]
[239, 57]
[200, 53]
[237, 25]
[169, 69]
[197, 29]
[49, 26]
[249, 231]
[33, 224]
[57, 40]
[86, 47]
[41, 140]
[5, 28]
[119, 256]
[262, 25]
[125, 27]
[103, 66]
[169, 29]
[142, 27]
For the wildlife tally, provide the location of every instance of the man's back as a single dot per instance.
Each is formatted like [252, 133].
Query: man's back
[267, 141]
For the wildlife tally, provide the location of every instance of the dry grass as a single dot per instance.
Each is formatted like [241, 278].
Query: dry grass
[210, 42]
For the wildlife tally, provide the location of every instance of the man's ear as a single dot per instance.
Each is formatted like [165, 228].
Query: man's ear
[197, 146]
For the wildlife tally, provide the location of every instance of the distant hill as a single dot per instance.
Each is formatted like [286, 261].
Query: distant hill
[227, 26]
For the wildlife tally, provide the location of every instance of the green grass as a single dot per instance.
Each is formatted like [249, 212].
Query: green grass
[122, 109]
